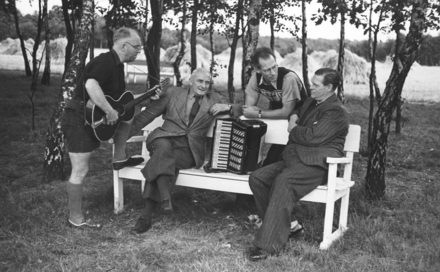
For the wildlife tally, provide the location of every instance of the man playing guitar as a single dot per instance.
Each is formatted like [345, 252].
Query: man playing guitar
[104, 75]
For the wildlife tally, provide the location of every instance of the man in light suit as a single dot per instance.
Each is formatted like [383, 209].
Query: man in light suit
[316, 131]
[180, 142]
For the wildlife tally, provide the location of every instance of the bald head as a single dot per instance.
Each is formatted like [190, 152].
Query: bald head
[127, 44]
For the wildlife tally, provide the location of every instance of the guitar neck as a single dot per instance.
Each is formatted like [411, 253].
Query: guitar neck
[151, 92]
[141, 98]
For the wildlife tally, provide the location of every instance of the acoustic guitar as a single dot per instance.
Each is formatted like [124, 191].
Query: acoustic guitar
[124, 105]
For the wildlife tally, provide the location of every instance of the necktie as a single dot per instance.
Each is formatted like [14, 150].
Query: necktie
[194, 109]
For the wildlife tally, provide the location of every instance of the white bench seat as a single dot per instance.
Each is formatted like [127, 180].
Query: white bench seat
[336, 187]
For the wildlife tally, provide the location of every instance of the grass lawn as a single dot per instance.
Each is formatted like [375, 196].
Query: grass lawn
[209, 231]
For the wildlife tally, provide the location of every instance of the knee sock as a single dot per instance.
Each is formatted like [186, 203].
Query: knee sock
[74, 193]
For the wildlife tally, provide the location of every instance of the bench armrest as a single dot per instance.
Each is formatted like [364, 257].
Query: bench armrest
[134, 139]
[342, 160]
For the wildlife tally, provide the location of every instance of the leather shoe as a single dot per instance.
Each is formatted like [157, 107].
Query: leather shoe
[132, 161]
[85, 224]
[166, 206]
[257, 254]
[142, 225]
[296, 230]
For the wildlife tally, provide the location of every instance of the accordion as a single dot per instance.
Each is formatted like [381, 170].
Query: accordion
[236, 145]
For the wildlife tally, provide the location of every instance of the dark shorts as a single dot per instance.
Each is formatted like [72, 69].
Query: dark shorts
[79, 137]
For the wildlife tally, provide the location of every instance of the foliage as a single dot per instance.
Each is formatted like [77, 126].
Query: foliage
[28, 24]
[276, 10]
[331, 10]
[208, 231]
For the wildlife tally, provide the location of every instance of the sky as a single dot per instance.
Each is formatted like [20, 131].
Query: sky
[325, 30]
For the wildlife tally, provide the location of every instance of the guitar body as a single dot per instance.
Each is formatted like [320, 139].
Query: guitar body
[96, 117]
[124, 105]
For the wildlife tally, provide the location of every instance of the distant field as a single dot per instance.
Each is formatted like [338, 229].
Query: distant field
[422, 83]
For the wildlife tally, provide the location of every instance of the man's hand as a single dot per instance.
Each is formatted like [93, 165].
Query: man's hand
[292, 122]
[157, 95]
[111, 117]
[218, 108]
[250, 111]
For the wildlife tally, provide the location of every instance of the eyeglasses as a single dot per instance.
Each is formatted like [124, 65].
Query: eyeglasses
[136, 47]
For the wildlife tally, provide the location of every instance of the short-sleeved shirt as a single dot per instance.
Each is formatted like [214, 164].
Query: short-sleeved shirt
[108, 70]
[289, 91]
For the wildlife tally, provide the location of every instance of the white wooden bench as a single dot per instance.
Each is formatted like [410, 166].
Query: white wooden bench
[336, 188]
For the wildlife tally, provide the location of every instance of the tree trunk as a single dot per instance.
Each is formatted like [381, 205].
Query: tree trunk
[36, 63]
[153, 42]
[45, 79]
[305, 66]
[211, 40]
[251, 39]
[405, 56]
[194, 35]
[176, 64]
[70, 34]
[53, 151]
[27, 67]
[239, 16]
[144, 34]
[374, 86]
[399, 41]
[272, 26]
[341, 58]
[92, 38]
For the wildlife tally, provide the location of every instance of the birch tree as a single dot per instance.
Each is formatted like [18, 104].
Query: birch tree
[53, 151]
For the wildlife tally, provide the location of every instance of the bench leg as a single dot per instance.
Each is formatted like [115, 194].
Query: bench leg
[343, 216]
[118, 193]
[327, 238]
[328, 225]
[142, 186]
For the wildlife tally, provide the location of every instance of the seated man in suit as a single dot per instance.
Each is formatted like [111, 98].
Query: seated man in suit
[316, 131]
[180, 142]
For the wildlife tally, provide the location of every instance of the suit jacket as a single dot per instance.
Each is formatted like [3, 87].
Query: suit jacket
[320, 132]
[172, 107]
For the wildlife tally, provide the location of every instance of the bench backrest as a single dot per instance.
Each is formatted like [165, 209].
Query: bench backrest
[277, 133]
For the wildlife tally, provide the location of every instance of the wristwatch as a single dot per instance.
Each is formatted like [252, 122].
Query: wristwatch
[259, 114]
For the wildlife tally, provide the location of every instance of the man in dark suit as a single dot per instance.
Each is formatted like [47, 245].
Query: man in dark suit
[316, 131]
[180, 142]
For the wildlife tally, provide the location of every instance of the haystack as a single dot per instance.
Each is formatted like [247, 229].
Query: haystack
[203, 55]
[10, 47]
[293, 61]
[355, 67]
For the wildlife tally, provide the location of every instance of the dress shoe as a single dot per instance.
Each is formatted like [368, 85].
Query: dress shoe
[85, 224]
[296, 229]
[257, 254]
[132, 161]
[142, 225]
[166, 205]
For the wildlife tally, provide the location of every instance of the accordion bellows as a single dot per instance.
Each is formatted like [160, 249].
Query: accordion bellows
[236, 145]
